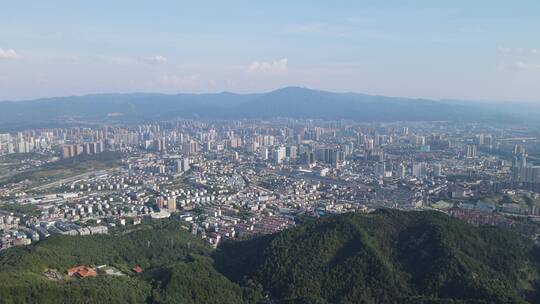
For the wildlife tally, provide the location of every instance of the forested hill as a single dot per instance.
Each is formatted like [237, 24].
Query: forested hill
[388, 257]
[384, 257]
[176, 268]
[286, 102]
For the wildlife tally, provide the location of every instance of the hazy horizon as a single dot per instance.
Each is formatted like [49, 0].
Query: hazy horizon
[442, 99]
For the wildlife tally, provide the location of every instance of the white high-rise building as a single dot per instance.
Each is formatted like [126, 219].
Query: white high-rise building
[471, 151]
[279, 154]
[264, 153]
[182, 165]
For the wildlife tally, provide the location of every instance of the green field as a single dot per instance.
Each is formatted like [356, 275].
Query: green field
[12, 162]
[66, 168]
[20, 209]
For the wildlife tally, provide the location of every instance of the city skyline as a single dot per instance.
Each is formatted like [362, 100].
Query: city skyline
[259, 152]
[468, 51]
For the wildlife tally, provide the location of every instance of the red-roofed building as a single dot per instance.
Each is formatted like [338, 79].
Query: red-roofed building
[82, 271]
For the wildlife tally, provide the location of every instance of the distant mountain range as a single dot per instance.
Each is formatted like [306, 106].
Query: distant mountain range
[292, 102]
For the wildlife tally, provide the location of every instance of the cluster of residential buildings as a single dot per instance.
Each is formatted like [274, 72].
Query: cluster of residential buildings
[230, 179]
[72, 150]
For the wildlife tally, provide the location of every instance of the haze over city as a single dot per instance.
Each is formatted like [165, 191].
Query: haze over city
[270, 152]
[471, 50]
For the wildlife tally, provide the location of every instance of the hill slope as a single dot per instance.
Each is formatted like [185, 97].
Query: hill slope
[177, 269]
[387, 257]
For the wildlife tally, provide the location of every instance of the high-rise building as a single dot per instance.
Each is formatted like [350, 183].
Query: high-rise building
[471, 151]
[86, 149]
[337, 157]
[481, 139]
[405, 131]
[67, 151]
[488, 140]
[332, 156]
[308, 158]
[519, 150]
[93, 147]
[531, 174]
[182, 165]
[190, 147]
[369, 144]
[160, 202]
[279, 154]
[292, 152]
[264, 153]
[437, 170]
[100, 148]
[171, 203]
[519, 167]
[420, 140]
[419, 170]
[159, 144]
[78, 149]
[235, 142]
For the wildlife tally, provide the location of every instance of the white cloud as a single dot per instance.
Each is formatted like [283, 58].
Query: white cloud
[504, 50]
[518, 51]
[527, 65]
[279, 66]
[8, 54]
[178, 82]
[157, 59]
[70, 58]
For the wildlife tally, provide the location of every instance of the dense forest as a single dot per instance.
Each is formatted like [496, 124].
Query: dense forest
[387, 257]
[177, 268]
[384, 257]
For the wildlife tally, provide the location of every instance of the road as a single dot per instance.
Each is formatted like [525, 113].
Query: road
[69, 179]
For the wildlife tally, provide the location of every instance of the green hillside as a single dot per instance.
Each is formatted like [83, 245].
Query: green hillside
[175, 263]
[388, 257]
[384, 257]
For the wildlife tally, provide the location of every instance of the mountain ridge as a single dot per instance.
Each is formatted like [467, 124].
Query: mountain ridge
[294, 102]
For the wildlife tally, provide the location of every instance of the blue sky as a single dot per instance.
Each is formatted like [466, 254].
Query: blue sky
[481, 50]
